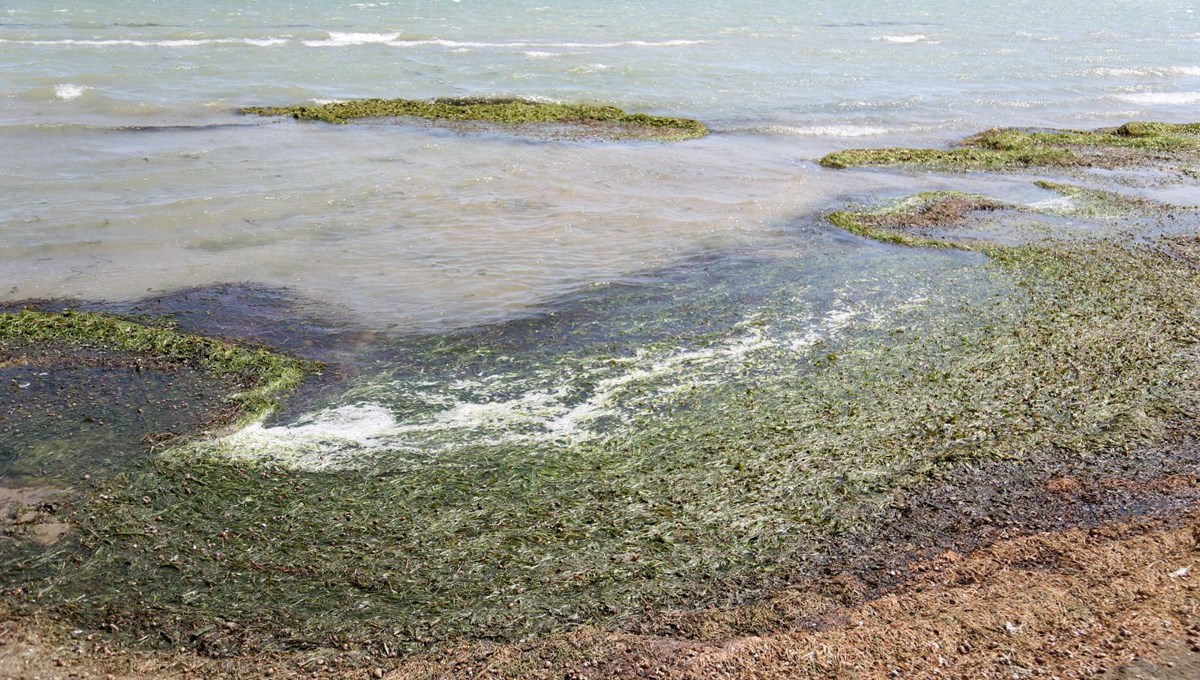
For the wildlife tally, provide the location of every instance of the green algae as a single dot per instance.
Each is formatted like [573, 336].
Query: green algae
[937, 219]
[269, 373]
[1134, 143]
[903, 222]
[1098, 203]
[715, 493]
[607, 121]
[952, 159]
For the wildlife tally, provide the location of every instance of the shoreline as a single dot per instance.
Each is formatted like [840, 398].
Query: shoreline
[1093, 519]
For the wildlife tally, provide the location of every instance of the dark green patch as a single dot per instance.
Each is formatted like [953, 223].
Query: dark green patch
[269, 372]
[87, 393]
[603, 121]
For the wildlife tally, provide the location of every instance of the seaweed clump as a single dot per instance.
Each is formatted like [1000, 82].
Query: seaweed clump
[604, 121]
[1131, 144]
[910, 221]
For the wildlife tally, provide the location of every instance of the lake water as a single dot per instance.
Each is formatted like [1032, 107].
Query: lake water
[126, 171]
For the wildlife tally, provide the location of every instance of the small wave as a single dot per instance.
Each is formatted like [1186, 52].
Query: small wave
[916, 37]
[1161, 98]
[336, 39]
[824, 130]
[438, 42]
[534, 54]
[1038, 36]
[591, 68]
[67, 91]
[1146, 71]
[189, 42]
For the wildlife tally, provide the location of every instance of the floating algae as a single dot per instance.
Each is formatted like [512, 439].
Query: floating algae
[1131, 144]
[522, 115]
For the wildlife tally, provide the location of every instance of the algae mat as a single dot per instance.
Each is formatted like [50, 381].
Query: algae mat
[1132, 144]
[689, 510]
[769, 455]
[524, 116]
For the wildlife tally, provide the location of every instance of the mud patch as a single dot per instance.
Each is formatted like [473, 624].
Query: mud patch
[1173, 660]
[31, 514]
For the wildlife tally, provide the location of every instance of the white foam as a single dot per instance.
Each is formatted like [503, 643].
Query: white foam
[549, 410]
[525, 45]
[1146, 71]
[916, 37]
[1161, 98]
[326, 439]
[534, 54]
[336, 39]
[834, 321]
[67, 91]
[190, 42]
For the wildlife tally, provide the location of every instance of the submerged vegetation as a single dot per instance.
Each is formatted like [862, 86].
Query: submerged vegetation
[904, 222]
[1133, 143]
[713, 494]
[265, 372]
[603, 121]
[721, 486]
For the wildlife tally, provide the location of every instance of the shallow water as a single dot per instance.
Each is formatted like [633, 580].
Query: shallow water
[127, 172]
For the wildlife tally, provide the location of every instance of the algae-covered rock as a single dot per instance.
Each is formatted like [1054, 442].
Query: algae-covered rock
[522, 114]
[913, 221]
[1131, 144]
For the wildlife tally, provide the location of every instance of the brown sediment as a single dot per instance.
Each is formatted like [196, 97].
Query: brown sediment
[1186, 248]
[28, 513]
[919, 220]
[1070, 603]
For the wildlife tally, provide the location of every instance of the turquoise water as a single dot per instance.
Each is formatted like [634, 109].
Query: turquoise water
[126, 169]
